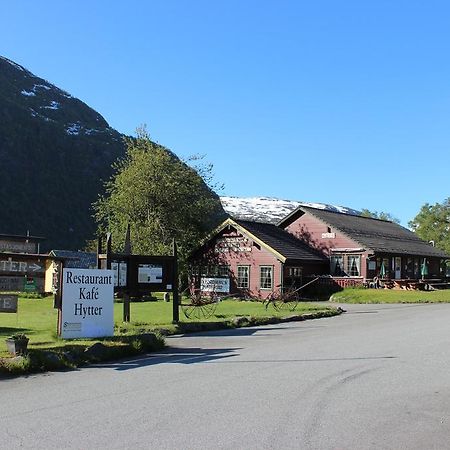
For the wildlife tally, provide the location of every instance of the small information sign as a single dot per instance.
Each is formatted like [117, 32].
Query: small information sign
[150, 273]
[120, 273]
[219, 285]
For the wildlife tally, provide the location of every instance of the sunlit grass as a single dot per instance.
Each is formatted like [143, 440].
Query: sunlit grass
[38, 319]
[352, 295]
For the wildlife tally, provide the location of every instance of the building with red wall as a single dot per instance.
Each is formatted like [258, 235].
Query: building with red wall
[252, 259]
[362, 247]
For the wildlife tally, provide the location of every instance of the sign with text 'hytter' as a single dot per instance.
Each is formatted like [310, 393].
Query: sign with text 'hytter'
[87, 303]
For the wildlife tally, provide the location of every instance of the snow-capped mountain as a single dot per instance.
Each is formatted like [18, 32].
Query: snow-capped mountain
[271, 210]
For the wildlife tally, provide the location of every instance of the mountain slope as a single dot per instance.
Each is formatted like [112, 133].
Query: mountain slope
[55, 154]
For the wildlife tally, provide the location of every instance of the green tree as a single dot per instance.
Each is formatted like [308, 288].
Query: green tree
[379, 215]
[161, 197]
[432, 223]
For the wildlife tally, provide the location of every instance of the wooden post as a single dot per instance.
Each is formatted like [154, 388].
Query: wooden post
[175, 311]
[108, 250]
[126, 307]
[99, 251]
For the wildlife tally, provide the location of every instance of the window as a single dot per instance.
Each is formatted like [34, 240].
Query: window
[266, 277]
[295, 272]
[215, 271]
[243, 277]
[345, 265]
[224, 271]
[353, 265]
[337, 265]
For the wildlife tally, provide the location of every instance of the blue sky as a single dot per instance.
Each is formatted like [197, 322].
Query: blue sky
[345, 102]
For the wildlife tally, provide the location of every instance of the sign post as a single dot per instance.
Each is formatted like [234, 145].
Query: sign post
[137, 275]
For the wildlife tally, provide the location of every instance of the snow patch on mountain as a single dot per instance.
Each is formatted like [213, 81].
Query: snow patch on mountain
[73, 129]
[28, 93]
[271, 210]
[43, 86]
[53, 105]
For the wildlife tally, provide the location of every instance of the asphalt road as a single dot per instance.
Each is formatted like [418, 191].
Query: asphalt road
[376, 377]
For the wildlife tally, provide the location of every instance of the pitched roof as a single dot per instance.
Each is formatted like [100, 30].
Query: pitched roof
[76, 260]
[282, 242]
[374, 234]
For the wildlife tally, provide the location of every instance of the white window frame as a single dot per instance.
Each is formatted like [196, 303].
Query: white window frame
[271, 271]
[334, 259]
[349, 264]
[240, 278]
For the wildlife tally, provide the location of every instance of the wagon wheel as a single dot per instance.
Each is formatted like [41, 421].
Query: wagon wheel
[286, 301]
[293, 301]
[280, 304]
[272, 298]
[200, 307]
[199, 310]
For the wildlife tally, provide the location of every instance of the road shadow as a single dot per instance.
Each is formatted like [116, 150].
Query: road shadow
[172, 355]
[244, 331]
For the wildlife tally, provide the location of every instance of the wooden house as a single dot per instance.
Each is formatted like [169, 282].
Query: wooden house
[360, 248]
[251, 259]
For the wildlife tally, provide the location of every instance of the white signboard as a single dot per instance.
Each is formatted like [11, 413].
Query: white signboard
[87, 303]
[233, 244]
[219, 285]
[120, 273]
[150, 273]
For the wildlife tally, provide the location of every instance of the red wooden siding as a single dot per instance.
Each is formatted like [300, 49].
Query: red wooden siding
[323, 237]
[223, 250]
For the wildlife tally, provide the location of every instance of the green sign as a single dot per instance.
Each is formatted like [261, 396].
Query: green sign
[29, 286]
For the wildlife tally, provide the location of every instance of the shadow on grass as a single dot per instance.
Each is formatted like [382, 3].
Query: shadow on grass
[172, 356]
[14, 330]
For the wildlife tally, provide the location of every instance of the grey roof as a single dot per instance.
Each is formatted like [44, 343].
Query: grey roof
[281, 241]
[76, 260]
[377, 235]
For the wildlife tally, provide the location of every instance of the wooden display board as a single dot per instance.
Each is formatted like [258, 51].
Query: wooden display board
[138, 275]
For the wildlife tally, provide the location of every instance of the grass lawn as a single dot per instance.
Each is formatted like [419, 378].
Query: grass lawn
[352, 295]
[37, 318]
